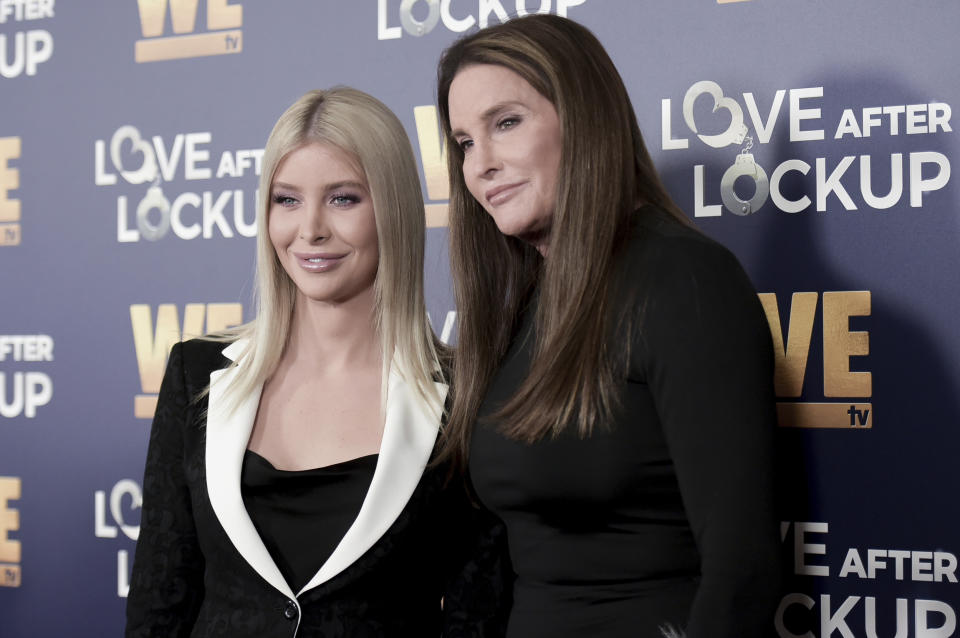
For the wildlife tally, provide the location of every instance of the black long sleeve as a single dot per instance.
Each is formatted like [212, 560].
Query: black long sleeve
[477, 594]
[166, 587]
[705, 349]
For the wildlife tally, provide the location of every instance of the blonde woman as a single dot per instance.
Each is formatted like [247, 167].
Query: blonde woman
[285, 490]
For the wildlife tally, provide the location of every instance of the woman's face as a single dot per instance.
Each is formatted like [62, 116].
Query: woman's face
[511, 141]
[321, 224]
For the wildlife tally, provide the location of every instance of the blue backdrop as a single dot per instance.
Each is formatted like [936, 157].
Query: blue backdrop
[130, 141]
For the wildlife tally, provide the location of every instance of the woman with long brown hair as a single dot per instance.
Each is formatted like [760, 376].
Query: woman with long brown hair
[613, 380]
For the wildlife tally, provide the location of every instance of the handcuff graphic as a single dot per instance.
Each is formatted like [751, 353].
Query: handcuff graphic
[736, 133]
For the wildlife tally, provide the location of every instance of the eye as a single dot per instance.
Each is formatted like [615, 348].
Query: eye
[284, 200]
[343, 200]
[508, 122]
[465, 144]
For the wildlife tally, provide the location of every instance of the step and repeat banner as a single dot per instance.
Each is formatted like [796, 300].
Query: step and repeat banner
[815, 139]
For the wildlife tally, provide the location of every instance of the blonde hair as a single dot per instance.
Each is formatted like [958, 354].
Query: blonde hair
[365, 129]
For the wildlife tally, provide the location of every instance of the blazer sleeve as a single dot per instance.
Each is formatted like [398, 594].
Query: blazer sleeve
[707, 353]
[478, 592]
[166, 586]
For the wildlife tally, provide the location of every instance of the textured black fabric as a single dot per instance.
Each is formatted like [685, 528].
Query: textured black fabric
[189, 580]
[302, 515]
[666, 514]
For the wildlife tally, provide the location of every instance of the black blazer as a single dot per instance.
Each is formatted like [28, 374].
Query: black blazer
[201, 569]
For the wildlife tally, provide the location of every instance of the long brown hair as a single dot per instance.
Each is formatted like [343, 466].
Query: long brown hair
[605, 171]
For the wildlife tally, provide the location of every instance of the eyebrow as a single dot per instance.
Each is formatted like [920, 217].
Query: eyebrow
[346, 184]
[328, 187]
[489, 113]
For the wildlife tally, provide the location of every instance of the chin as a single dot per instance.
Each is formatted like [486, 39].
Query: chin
[511, 226]
[532, 233]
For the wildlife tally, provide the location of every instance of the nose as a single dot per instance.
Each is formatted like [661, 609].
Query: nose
[313, 225]
[484, 162]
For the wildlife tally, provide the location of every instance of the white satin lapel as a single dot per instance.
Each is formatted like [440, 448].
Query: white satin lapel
[409, 434]
[227, 437]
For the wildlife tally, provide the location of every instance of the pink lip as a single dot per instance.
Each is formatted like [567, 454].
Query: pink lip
[319, 262]
[500, 194]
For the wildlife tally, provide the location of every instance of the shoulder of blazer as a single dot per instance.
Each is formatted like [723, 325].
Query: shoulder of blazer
[200, 358]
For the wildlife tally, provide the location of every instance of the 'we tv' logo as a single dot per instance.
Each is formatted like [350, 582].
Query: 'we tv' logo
[9, 181]
[223, 34]
[850, 390]
[9, 522]
[153, 345]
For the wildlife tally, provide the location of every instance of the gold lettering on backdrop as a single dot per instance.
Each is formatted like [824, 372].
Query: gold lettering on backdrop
[223, 36]
[9, 180]
[153, 13]
[221, 316]
[825, 415]
[791, 352]
[437, 215]
[152, 345]
[791, 361]
[221, 15]
[9, 234]
[9, 522]
[433, 154]
[839, 344]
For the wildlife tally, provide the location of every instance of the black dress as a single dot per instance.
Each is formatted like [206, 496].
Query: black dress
[664, 518]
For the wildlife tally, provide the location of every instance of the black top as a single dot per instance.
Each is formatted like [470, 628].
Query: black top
[302, 515]
[664, 516]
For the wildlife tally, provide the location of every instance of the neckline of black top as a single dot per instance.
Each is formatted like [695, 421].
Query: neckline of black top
[354, 463]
